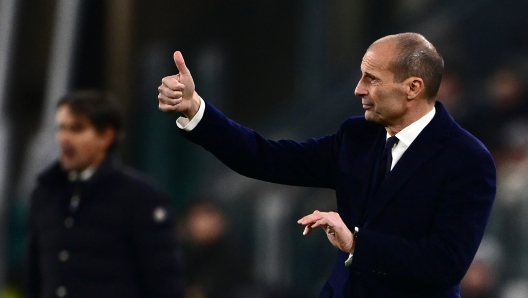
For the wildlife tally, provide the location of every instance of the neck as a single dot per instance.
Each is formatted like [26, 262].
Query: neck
[413, 114]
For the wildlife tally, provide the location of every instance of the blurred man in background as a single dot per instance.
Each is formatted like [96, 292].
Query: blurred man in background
[218, 264]
[98, 229]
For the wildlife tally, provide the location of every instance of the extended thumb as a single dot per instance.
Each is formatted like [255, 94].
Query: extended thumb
[180, 63]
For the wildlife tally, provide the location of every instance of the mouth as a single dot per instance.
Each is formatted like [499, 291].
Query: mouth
[67, 152]
[367, 106]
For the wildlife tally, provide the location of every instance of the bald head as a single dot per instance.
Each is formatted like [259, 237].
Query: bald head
[414, 56]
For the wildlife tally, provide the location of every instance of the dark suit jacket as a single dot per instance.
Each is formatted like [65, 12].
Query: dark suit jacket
[418, 233]
[121, 242]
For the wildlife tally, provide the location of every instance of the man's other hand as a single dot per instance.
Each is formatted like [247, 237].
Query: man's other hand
[336, 230]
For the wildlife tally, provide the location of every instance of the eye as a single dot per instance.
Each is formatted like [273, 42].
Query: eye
[78, 127]
[370, 78]
[366, 79]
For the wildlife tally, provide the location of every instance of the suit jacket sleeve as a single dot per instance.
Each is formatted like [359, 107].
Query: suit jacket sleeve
[309, 163]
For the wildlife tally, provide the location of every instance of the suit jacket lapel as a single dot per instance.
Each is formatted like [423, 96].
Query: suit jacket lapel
[356, 164]
[425, 146]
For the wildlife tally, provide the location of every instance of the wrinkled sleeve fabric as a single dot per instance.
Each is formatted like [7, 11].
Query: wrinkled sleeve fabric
[309, 163]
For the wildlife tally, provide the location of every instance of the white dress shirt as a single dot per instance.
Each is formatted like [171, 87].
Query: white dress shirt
[407, 135]
[83, 175]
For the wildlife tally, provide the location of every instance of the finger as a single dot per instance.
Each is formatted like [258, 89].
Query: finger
[307, 230]
[310, 217]
[167, 108]
[169, 96]
[308, 220]
[304, 220]
[180, 63]
[172, 83]
[168, 102]
[321, 222]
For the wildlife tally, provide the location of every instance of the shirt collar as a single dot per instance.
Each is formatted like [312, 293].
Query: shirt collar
[83, 175]
[409, 133]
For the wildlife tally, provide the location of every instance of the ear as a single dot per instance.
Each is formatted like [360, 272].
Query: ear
[108, 136]
[415, 86]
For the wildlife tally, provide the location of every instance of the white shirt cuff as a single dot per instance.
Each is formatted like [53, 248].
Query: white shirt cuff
[349, 260]
[185, 124]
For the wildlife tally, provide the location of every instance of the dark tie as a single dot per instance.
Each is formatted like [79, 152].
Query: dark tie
[385, 161]
[388, 152]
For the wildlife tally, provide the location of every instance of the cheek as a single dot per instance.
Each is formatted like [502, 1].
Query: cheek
[87, 143]
[85, 149]
[381, 98]
[390, 98]
[61, 138]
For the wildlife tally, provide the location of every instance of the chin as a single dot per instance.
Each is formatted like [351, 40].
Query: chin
[374, 117]
[68, 165]
[370, 117]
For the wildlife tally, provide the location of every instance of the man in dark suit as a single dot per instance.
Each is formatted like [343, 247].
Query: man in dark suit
[414, 190]
[97, 228]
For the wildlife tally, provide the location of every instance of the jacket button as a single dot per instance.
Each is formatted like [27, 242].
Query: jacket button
[63, 255]
[61, 291]
[68, 222]
[74, 203]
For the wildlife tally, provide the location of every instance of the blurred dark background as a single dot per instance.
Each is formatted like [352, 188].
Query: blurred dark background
[285, 68]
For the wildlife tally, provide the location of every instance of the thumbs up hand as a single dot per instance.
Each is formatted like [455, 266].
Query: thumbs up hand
[176, 92]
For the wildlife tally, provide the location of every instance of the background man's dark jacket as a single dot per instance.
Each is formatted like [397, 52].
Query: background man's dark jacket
[418, 233]
[120, 242]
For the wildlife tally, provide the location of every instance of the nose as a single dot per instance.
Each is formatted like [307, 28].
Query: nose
[360, 90]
